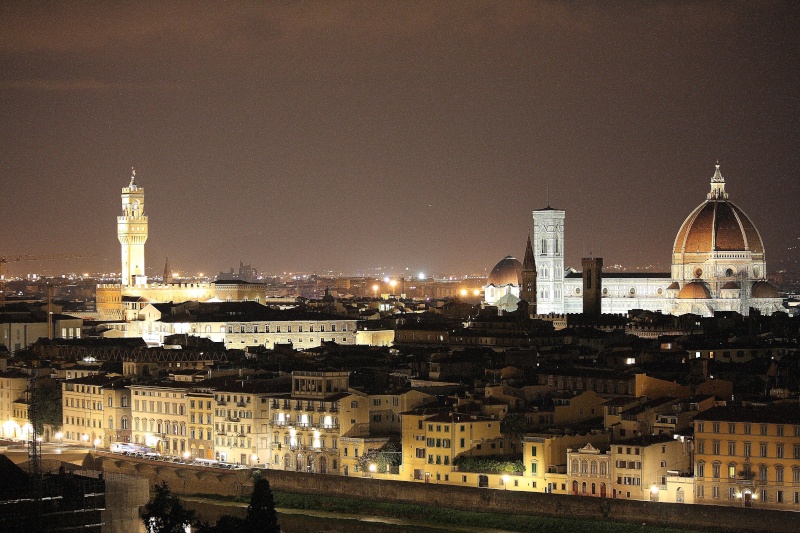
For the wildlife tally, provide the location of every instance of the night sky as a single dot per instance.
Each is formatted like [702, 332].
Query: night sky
[345, 136]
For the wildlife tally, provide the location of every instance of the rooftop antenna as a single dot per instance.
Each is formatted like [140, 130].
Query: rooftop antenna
[548, 196]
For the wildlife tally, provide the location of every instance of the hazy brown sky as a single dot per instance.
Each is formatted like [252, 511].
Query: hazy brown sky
[349, 135]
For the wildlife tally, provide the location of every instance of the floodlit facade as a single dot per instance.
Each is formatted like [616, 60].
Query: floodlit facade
[718, 264]
[748, 457]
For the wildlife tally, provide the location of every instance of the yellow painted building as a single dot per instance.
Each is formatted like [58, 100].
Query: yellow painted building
[160, 416]
[432, 441]
[85, 420]
[545, 458]
[201, 422]
[748, 457]
[13, 384]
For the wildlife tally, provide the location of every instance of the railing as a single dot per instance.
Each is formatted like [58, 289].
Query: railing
[241, 404]
[232, 418]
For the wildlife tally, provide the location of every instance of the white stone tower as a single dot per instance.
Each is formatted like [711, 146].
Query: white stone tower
[548, 246]
[132, 233]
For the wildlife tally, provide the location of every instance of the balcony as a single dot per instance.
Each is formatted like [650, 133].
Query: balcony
[232, 418]
[222, 402]
[298, 407]
[241, 404]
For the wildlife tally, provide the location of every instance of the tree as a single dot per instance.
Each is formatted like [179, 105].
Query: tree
[45, 406]
[165, 513]
[261, 516]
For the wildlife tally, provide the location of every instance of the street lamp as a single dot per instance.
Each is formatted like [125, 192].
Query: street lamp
[375, 290]
[372, 469]
[60, 437]
[85, 439]
[393, 283]
[505, 481]
[254, 459]
[96, 443]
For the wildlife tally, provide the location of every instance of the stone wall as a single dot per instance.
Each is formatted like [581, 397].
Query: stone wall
[204, 480]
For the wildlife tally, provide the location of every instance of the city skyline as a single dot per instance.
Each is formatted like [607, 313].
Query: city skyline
[350, 135]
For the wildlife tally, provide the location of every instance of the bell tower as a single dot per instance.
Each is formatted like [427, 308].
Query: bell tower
[528, 290]
[132, 233]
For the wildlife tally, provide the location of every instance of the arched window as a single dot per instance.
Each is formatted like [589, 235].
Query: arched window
[574, 466]
[584, 467]
[110, 422]
[124, 422]
[603, 468]
[593, 469]
[583, 488]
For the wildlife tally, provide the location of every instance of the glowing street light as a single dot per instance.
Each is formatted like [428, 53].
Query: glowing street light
[393, 283]
[375, 290]
[505, 481]
[96, 443]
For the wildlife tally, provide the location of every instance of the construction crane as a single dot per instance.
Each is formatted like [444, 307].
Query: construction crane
[16, 258]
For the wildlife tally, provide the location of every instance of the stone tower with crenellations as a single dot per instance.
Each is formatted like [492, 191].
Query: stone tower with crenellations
[132, 233]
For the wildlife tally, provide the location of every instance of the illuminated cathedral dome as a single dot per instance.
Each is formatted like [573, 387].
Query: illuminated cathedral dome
[762, 289]
[694, 291]
[718, 242]
[507, 272]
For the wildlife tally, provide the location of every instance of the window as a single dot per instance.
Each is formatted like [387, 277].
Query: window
[732, 471]
[715, 427]
[779, 451]
[715, 470]
[731, 428]
[763, 429]
[747, 429]
[533, 451]
[762, 472]
[701, 469]
[763, 449]
[715, 492]
[716, 447]
[747, 449]
[731, 448]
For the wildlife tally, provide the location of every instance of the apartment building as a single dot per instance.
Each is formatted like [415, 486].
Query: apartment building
[433, 440]
[160, 420]
[201, 422]
[85, 420]
[545, 456]
[748, 457]
[308, 424]
[640, 466]
[13, 386]
[241, 410]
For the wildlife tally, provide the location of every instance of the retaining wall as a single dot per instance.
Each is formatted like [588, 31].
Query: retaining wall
[184, 479]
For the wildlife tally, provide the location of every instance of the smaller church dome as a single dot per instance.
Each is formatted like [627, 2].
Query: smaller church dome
[731, 285]
[696, 290]
[507, 272]
[762, 289]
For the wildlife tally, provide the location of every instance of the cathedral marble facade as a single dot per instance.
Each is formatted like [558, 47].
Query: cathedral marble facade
[718, 264]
